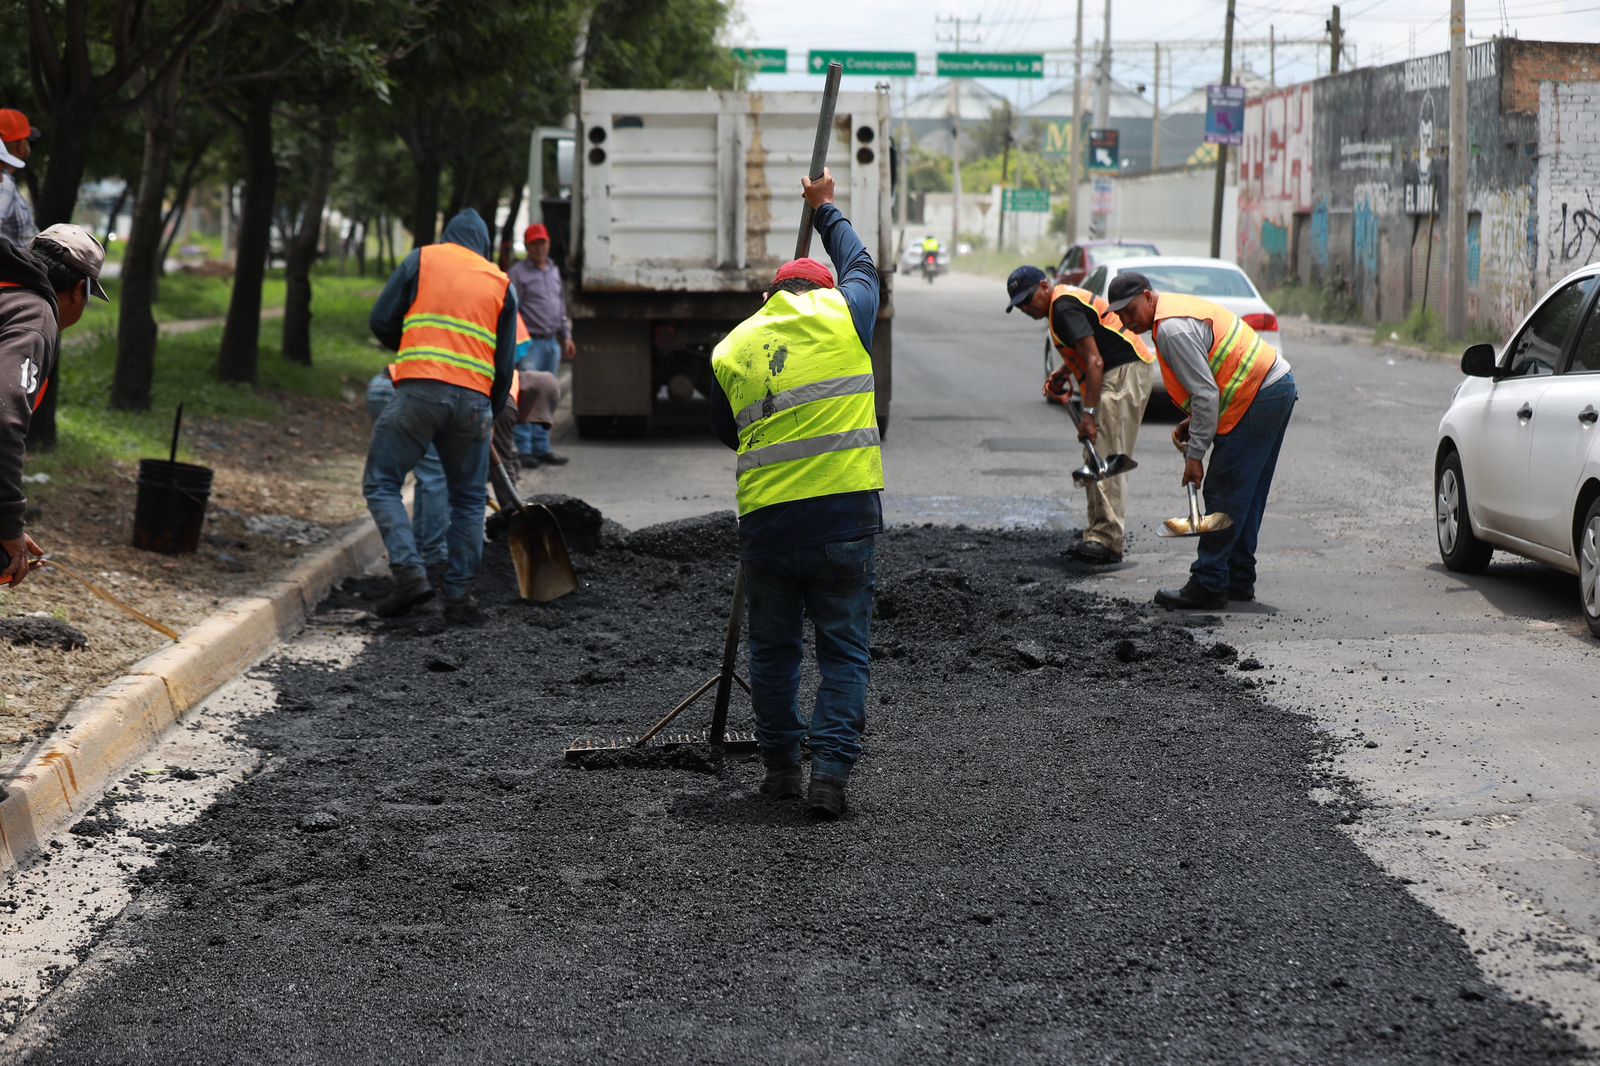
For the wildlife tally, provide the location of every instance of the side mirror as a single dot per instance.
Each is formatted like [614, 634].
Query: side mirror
[1479, 361]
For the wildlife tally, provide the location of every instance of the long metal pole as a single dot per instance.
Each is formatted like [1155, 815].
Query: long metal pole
[1222, 149]
[819, 151]
[1155, 121]
[1102, 107]
[1456, 230]
[1075, 141]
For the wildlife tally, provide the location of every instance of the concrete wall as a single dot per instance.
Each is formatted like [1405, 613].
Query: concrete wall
[1568, 233]
[1274, 175]
[1171, 208]
[980, 214]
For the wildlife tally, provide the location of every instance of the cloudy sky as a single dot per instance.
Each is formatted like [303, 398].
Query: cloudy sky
[1377, 31]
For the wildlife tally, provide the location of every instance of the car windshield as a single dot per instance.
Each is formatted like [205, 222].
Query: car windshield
[1199, 280]
[1106, 252]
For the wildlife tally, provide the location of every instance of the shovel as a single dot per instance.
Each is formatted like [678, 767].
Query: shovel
[1096, 469]
[1194, 524]
[538, 550]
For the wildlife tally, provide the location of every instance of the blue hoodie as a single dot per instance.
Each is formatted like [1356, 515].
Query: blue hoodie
[388, 315]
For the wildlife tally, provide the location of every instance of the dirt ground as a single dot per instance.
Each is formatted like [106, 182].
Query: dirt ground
[280, 489]
[1078, 834]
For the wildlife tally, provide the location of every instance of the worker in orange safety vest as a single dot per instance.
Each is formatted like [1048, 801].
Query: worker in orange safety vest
[450, 316]
[1238, 394]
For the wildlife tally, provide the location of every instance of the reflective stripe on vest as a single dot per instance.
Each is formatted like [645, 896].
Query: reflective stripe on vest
[1240, 360]
[1108, 318]
[450, 328]
[801, 387]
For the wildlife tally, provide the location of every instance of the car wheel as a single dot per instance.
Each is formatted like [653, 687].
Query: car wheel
[1589, 567]
[1459, 546]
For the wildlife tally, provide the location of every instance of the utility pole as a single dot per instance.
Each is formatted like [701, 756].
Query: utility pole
[1075, 145]
[1222, 149]
[1456, 231]
[1336, 38]
[1155, 120]
[1272, 56]
[905, 155]
[955, 137]
[1005, 177]
[1102, 106]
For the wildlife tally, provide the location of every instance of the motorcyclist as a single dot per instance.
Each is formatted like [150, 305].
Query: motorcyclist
[930, 245]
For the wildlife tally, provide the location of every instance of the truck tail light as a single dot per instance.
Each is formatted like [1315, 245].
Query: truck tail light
[1262, 322]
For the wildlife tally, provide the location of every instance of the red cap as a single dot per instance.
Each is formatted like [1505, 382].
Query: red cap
[535, 232]
[807, 270]
[14, 126]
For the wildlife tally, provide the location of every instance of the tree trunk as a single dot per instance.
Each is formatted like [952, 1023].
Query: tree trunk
[136, 322]
[302, 251]
[488, 208]
[361, 251]
[425, 207]
[180, 205]
[71, 126]
[241, 337]
[508, 232]
[116, 210]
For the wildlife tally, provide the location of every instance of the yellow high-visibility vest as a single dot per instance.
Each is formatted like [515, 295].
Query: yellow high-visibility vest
[801, 387]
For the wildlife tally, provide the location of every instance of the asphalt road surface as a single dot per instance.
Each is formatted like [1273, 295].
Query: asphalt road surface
[1082, 832]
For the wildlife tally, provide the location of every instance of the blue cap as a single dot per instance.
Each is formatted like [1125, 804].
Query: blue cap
[1021, 283]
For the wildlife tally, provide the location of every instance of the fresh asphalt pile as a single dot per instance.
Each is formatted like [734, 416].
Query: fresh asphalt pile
[1078, 835]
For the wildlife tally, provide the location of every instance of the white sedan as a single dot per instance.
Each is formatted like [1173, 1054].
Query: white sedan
[1518, 462]
[1216, 280]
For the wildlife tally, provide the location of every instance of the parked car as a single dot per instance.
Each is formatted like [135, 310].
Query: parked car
[1217, 280]
[911, 258]
[1081, 259]
[1518, 462]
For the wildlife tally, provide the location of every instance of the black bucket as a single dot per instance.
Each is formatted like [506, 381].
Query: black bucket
[171, 507]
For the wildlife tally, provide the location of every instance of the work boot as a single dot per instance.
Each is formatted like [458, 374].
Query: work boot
[463, 611]
[1092, 551]
[1242, 594]
[528, 460]
[436, 573]
[551, 459]
[825, 802]
[1192, 597]
[410, 590]
[782, 782]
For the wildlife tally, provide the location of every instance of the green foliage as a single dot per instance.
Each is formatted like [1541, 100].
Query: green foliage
[1423, 328]
[1321, 302]
[92, 434]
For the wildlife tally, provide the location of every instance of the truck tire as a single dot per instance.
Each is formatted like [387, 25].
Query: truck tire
[883, 425]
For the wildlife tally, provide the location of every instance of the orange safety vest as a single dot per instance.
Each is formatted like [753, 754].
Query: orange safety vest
[1240, 359]
[1108, 319]
[44, 386]
[450, 328]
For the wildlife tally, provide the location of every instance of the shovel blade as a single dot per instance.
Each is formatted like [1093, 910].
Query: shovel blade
[1182, 527]
[539, 553]
[1115, 464]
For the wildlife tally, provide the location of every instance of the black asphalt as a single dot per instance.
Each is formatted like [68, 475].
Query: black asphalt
[1079, 835]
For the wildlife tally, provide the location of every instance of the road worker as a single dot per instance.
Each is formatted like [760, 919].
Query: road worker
[794, 396]
[1110, 367]
[451, 317]
[1238, 394]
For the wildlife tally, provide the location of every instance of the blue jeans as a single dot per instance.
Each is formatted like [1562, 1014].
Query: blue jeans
[455, 421]
[1237, 483]
[543, 354]
[833, 583]
[430, 504]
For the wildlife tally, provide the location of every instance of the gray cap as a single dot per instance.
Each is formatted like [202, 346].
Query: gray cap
[80, 250]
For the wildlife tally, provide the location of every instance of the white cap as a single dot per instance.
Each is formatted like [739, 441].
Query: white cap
[10, 160]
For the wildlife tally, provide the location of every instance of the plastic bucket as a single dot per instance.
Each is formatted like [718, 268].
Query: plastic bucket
[171, 506]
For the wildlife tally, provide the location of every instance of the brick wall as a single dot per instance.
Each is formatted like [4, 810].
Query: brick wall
[1568, 219]
[1528, 64]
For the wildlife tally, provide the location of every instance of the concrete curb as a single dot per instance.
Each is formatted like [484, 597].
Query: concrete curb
[105, 732]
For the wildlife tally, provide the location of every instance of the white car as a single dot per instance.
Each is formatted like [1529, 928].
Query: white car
[1518, 462]
[1216, 280]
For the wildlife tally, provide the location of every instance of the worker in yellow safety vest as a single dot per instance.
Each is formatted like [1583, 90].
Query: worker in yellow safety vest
[1110, 367]
[450, 316]
[1238, 394]
[794, 396]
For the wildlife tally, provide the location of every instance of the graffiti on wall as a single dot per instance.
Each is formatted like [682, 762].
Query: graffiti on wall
[1373, 200]
[1274, 179]
[1319, 235]
[1505, 255]
[1575, 235]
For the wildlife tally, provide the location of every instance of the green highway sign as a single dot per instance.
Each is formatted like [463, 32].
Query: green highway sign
[763, 60]
[989, 65]
[1027, 201]
[892, 64]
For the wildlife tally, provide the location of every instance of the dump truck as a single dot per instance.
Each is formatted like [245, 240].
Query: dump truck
[669, 212]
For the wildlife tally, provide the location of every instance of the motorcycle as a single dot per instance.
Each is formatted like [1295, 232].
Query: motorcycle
[930, 265]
